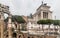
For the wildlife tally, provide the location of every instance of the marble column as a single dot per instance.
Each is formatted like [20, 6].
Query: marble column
[18, 30]
[2, 24]
[9, 27]
[41, 14]
[17, 35]
[5, 36]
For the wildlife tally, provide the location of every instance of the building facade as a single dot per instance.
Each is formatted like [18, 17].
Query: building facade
[43, 12]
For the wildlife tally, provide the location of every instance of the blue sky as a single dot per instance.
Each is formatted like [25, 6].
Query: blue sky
[25, 7]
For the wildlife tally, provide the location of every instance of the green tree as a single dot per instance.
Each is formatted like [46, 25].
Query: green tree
[56, 23]
[16, 18]
[48, 21]
[42, 22]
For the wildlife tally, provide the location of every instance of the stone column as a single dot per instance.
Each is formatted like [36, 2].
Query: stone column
[41, 14]
[17, 35]
[36, 18]
[5, 36]
[18, 30]
[49, 15]
[25, 35]
[9, 27]
[2, 25]
[18, 27]
[2, 30]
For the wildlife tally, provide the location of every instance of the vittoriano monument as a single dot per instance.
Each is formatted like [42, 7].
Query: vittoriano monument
[5, 10]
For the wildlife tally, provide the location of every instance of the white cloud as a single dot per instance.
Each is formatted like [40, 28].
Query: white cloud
[25, 7]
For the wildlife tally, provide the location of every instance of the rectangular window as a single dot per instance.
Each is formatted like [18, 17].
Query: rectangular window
[45, 15]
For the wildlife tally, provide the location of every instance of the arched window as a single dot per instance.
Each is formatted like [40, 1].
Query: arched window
[14, 34]
[19, 36]
[28, 37]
